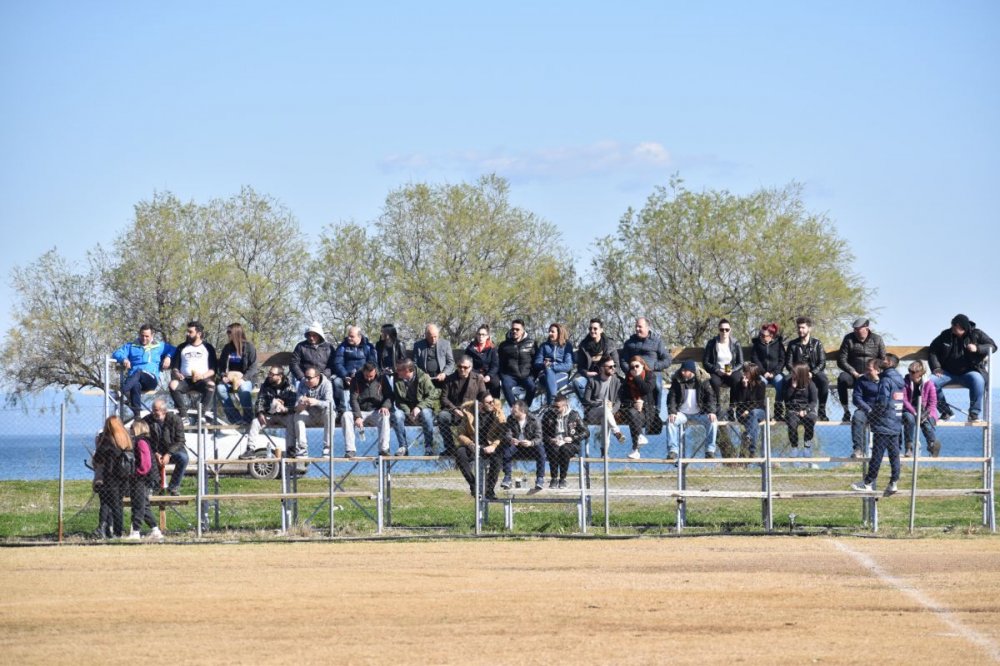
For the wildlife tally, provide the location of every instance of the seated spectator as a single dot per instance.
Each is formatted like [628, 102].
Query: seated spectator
[650, 347]
[517, 356]
[747, 408]
[554, 361]
[522, 441]
[461, 390]
[109, 485]
[592, 348]
[491, 430]
[885, 424]
[166, 432]
[238, 371]
[142, 360]
[958, 355]
[371, 404]
[768, 352]
[433, 356]
[274, 408]
[723, 359]
[808, 350]
[194, 366]
[802, 403]
[602, 398]
[563, 434]
[920, 397]
[865, 394]
[415, 400]
[485, 360]
[313, 352]
[389, 351]
[691, 398]
[638, 407]
[351, 354]
[856, 348]
[313, 402]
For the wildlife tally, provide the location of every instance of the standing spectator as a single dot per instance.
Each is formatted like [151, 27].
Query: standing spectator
[747, 407]
[563, 432]
[491, 430]
[959, 355]
[602, 397]
[517, 355]
[690, 399]
[111, 443]
[274, 407]
[238, 370]
[856, 348]
[416, 400]
[638, 406]
[166, 430]
[801, 404]
[433, 356]
[650, 347]
[920, 397]
[886, 426]
[461, 389]
[142, 483]
[194, 366]
[142, 361]
[865, 395]
[592, 348]
[808, 350]
[768, 352]
[723, 359]
[554, 361]
[485, 360]
[313, 402]
[522, 441]
[351, 354]
[313, 352]
[389, 351]
[371, 403]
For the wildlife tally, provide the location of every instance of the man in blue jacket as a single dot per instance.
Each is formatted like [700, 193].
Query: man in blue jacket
[142, 360]
[351, 354]
[649, 346]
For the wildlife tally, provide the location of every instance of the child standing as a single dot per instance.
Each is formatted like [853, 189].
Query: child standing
[886, 426]
[142, 483]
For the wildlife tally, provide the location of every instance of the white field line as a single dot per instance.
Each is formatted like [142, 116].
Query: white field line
[944, 614]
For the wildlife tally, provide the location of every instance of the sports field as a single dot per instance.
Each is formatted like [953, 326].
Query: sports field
[673, 600]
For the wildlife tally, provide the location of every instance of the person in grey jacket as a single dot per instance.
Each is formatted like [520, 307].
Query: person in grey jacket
[314, 399]
[433, 355]
[649, 346]
[313, 352]
[856, 349]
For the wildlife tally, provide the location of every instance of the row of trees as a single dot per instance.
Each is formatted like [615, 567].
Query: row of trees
[457, 255]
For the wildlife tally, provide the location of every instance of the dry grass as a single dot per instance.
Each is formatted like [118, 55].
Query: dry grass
[678, 600]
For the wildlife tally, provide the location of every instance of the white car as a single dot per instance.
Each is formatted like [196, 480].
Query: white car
[228, 442]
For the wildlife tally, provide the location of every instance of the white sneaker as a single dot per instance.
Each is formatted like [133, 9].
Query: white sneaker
[641, 441]
[892, 489]
[861, 486]
[155, 534]
[634, 455]
[133, 536]
[326, 451]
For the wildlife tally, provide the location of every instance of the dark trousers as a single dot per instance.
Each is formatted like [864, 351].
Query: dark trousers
[510, 453]
[134, 386]
[716, 381]
[111, 517]
[793, 419]
[508, 382]
[180, 461]
[559, 457]
[465, 460]
[823, 388]
[881, 444]
[845, 382]
[203, 387]
[139, 489]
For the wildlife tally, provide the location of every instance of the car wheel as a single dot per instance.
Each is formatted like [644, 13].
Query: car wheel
[263, 467]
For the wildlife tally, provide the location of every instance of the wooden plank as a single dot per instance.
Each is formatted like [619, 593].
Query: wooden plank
[280, 496]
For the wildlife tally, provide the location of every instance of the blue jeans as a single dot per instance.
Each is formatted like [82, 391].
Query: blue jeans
[341, 395]
[508, 382]
[859, 423]
[426, 421]
[226, 398]
[580, 384]
[972, 380]
[180, 461]
[537, 453]
[778, 381]
[133, 387]
[752, 425]
[552, 381]
[909, 426]
[674, 431]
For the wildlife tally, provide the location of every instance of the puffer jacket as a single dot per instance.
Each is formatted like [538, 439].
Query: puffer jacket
[854, 353]
[928, 398]
[348, 358]
[561, 357]
[517, 357]
[947, 352]
[885, 418]
[650, 349]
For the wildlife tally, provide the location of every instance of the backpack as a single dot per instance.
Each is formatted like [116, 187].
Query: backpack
[124, 466]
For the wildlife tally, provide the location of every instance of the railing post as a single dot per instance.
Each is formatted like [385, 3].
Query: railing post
[916, 451]
[766, 469]
[475, 470]
[62, 466]
[605, 439]
[328, 444]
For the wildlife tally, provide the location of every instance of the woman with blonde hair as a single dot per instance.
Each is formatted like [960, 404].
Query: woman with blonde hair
[143, 482]
[554, 361]
[238, 371]
[111, 476]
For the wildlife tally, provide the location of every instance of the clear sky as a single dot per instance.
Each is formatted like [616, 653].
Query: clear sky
[887, 112]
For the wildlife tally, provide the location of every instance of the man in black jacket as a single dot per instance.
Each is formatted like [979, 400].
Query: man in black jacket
[166, 430]
[690, 399]
[958, 355]
[371, 404]
[522, 439]
[592, 348]
[807, 349]
[275, 402]
[856, 349]
[517, 355]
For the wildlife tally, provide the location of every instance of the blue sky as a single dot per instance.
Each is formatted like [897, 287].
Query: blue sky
[886, 112]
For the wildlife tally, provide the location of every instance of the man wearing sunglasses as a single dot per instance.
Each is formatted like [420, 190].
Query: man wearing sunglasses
[274, 405]
[592, 348]
[723, 359]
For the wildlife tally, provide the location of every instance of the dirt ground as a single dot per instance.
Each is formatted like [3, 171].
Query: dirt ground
[675, 600]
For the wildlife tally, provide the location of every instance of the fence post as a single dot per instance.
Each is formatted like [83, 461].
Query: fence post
[916, 450]
[765, 478]
[328, 444]
[475, 470]
[200, 476]
[62, 466]
[605, 431]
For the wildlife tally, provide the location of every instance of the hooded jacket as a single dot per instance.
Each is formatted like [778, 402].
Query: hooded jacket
[307, 355]
[590, 352]
[418, 392]
[485, 361]
[947, 352]
[928, 398]
[705, 395]
[885, 419]
[769, 356]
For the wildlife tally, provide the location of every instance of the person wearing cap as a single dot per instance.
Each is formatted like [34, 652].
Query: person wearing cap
[313, 352]
[856, 348]
[958, 355]
[690, 398]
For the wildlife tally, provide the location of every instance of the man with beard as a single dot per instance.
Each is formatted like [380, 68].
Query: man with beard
[193, 366]
[592, 348]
